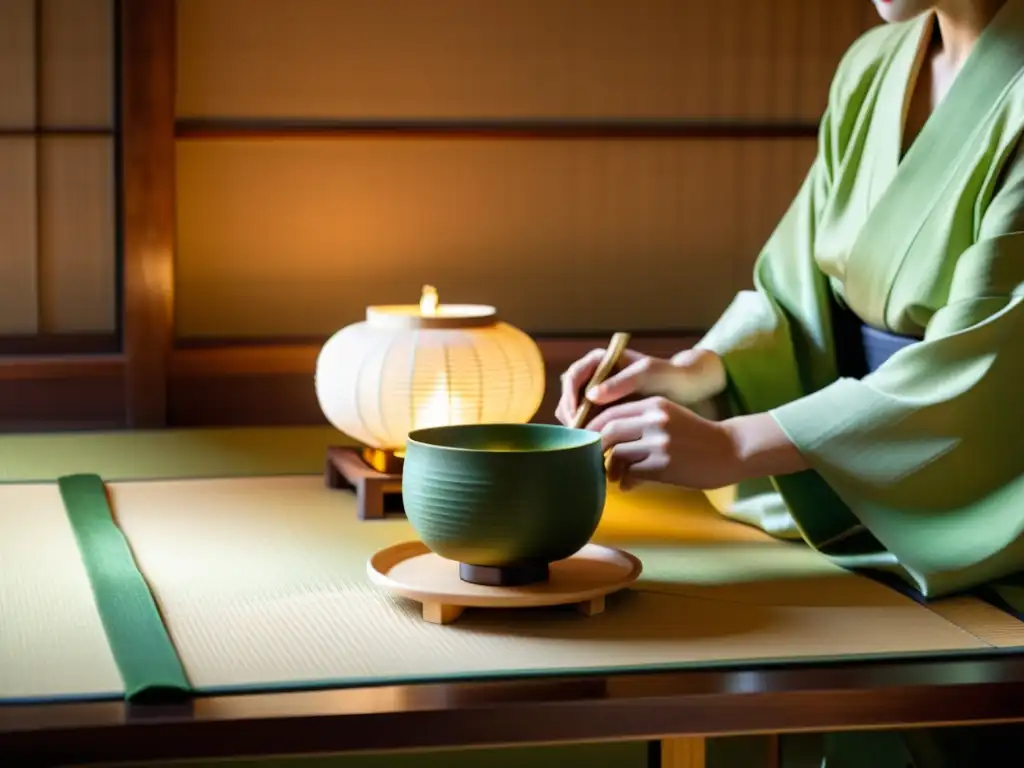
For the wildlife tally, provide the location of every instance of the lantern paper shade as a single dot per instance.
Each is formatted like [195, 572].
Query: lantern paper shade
[410, 367]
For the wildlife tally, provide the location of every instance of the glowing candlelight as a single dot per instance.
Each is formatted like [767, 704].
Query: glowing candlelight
[439, 408]
[428, 301]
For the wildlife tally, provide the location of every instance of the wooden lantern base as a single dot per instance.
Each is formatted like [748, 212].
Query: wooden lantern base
[377, 492]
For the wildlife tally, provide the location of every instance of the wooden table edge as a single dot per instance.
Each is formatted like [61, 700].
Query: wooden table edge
[591, 708]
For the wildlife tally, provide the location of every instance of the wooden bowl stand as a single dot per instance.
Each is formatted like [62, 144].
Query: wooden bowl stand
[441, 613]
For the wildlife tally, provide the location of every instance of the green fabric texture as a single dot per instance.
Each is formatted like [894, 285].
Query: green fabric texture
[145, 656]
[918, 468]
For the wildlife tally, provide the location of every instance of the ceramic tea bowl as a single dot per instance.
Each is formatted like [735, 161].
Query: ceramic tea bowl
[504, 500]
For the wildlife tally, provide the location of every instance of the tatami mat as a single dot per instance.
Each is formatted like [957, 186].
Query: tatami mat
[261, 583]
[52, 642]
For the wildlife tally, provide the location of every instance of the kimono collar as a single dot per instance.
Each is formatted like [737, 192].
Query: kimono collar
[941, 153]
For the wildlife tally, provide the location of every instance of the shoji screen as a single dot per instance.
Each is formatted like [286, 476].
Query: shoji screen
[57, 198]
[283, 232]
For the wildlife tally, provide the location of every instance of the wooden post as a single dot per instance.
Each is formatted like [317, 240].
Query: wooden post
[686, 752]
[146, 104]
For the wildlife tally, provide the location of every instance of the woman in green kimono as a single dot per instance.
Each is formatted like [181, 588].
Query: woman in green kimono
[909, 231]
[873, 378]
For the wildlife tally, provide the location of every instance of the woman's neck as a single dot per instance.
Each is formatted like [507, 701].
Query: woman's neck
[960, 24]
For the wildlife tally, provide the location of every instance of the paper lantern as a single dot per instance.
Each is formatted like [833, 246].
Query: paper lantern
[412, 366]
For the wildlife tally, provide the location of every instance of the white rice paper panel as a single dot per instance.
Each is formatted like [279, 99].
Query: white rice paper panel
[17, 64]
[77, 255]
[77, 78]
[19, 278]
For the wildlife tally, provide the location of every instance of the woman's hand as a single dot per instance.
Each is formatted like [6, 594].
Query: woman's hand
[656, 439]
[687, 378]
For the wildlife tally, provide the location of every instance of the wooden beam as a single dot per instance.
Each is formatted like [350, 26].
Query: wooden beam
[469, 128]
[83, 131]
[147, 44]
[51, 344]
[61, 392]
[59, 367]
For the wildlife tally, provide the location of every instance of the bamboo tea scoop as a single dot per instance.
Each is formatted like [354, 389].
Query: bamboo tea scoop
[611, 357]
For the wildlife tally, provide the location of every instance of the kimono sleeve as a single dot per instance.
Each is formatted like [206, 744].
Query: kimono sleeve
[926, 452]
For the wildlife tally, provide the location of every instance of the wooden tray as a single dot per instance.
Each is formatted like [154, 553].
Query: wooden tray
[411, 570]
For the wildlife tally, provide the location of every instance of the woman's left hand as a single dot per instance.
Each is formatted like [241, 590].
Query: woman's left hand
[656, 439]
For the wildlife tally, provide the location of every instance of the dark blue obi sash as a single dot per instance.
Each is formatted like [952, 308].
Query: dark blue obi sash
[879, 346]
[861, 349]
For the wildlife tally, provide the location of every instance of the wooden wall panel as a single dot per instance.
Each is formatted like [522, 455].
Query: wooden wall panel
[17, 64]
[296, 237]
[77, 266]
[730, 59]
[77, 63]
[18, 247]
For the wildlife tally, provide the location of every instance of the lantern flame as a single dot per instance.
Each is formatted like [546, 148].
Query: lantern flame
[428, 301]
[439, 409]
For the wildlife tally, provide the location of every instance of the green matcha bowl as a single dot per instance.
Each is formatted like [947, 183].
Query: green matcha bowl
[504, 500]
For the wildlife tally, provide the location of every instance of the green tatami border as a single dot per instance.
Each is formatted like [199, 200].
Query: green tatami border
[142, 649]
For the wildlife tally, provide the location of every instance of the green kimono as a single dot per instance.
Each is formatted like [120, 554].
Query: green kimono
[916, 468]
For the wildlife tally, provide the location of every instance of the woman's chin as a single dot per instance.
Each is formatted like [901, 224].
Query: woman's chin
[894, 11]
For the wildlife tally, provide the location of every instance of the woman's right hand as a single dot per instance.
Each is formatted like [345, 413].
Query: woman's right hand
[688, 378]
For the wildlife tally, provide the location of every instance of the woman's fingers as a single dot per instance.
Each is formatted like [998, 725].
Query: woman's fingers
[573, 380]
[576, 377]
[562, 412]
[621, 456]
[623, 411]
[631, 464]
[633, 440]
[626, 382]
[624, 430]
[651, 466]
